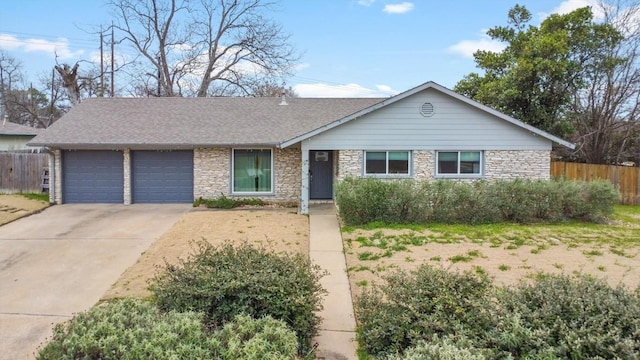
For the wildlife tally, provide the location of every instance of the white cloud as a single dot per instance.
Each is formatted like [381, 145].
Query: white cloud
[401, 8]
[320, 90]
[568, 6]
[466, 48]
[302, 66]
[60, 47]
[9, 42]
[366, 2]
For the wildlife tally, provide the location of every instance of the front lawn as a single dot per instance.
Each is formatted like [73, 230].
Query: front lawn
[507, 252]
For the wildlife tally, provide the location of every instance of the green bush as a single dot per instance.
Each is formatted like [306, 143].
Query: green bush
[558, 316]
[367, 200]
[438, 349]
[412, 307]
[431, 313]
[135, 329]
[130, 329]
[227, 281]
[246, 338]
[223, 202]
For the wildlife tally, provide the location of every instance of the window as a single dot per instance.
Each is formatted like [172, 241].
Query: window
[252, 171]
[459, 162]
[386, 162]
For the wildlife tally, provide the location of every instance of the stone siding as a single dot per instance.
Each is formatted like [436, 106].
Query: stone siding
[288, 176]
[58, 176]
[349, 164]
[499, 164]
[423, 164]
[212, 174]
[127, 176]
[511, 164]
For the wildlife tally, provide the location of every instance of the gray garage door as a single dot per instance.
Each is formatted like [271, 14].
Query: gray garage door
[92, 177]
[162, 176]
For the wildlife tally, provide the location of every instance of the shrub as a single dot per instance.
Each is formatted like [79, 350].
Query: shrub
[223, 202]
[369, 200]
[411, 307]
[130, 329]
[563, 317]
[227, 281]
[135, 329]
[438, 349]
[246, 338]
[434, 314]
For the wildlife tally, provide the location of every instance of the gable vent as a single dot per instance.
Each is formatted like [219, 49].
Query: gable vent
[427, 109]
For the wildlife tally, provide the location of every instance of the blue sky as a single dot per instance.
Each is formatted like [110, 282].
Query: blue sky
[351, 48]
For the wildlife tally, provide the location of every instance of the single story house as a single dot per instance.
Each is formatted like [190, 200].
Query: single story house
[14, 137]
[167, 150]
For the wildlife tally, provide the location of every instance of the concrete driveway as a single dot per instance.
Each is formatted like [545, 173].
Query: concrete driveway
[60, 262]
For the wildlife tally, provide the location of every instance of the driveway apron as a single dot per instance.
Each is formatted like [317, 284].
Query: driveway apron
[61, 261]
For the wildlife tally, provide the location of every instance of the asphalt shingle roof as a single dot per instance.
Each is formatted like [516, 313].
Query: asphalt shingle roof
[9, 128]
[173, 122]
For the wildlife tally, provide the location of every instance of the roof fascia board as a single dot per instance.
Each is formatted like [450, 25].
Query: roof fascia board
[88, 146]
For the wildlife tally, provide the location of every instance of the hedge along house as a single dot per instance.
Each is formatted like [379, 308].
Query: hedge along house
[164, 150]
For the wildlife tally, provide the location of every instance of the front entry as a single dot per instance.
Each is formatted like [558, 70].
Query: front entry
[320, 175]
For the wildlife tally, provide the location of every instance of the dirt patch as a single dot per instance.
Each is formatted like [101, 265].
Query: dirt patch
[506, 263]
[279, 230]
[13, 207]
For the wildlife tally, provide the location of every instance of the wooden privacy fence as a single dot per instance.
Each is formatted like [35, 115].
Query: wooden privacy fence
[22, 172]
[624, 178]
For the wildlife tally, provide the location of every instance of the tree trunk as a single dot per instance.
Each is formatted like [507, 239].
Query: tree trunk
[70, 81]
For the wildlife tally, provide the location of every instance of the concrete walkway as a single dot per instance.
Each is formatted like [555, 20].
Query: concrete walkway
[336, 340]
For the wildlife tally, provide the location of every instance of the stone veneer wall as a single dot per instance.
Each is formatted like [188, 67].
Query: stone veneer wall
[349, 164]
[58, 176]
[127, 176]
[499, 164]
[212, 174]
[511, 164]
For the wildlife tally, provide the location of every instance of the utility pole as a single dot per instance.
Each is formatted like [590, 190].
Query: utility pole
[112, 62]
[101, 63]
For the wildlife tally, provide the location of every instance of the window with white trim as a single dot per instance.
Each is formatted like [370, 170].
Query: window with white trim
[252, 170]
[459, 163]
[386, 162]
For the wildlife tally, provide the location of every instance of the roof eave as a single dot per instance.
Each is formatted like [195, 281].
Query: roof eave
[150, 146]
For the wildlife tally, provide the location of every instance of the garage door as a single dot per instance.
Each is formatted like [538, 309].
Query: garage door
[92, 177]
[162, 176]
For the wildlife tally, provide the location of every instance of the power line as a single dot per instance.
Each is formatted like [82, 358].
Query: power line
[52, 38]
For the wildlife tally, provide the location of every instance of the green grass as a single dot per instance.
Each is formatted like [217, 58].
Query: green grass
[36, 196]
[593, 252]
[621, 232]
[471, 254]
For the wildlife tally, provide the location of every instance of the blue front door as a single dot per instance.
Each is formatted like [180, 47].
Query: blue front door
[321, 175]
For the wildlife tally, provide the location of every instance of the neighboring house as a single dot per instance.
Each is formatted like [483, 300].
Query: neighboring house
[163, 150]
[14, 137]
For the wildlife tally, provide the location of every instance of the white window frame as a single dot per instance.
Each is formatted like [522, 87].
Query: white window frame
[458, 174]
[247, 193]
[386, 173]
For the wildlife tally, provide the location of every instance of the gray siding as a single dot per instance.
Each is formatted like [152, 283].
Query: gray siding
[454, 126]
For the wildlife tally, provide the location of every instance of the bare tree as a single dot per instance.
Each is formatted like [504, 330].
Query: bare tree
[203, 47]
[10, 75]
[271, 88]
[607, 109]
[69, 77]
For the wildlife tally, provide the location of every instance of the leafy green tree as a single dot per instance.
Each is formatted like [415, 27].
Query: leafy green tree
[535, 77]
